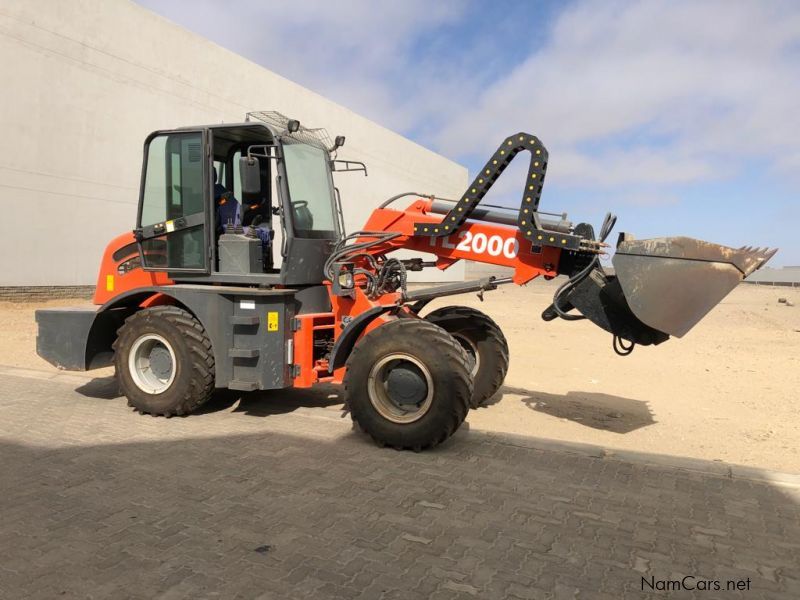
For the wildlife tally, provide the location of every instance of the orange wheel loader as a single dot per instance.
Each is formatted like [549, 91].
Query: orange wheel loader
[190, 300]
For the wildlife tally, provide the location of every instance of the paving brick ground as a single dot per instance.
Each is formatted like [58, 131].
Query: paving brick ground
[276, 497]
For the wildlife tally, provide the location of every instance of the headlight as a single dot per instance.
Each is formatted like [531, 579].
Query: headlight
[346, 280]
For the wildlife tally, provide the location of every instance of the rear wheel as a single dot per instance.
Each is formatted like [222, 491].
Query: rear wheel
[164, 361]
[408, 384]
[483, 341]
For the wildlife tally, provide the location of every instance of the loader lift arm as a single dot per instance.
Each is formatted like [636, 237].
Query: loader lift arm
[534, 247]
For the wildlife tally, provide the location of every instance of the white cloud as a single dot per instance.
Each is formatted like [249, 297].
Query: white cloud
[666, 92]
[633, 166]
[353, 51]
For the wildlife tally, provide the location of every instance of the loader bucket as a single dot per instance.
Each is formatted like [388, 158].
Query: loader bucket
[661, 286]
[670, 284]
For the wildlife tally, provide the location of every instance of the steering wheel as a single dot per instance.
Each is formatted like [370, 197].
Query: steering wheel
[303, 218]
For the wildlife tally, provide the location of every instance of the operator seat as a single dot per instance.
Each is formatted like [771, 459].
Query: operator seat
[228, 209]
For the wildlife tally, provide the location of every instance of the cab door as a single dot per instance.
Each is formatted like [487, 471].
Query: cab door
[172, 225]
[309, 212]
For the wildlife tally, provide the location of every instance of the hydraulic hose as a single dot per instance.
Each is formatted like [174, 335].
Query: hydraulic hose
[605, 230]
[620, 347]
[377, 281]
[404, 194]
[618, 344]
[342, 250]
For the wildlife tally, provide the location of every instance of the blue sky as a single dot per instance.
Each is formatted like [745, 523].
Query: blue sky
[682, 117]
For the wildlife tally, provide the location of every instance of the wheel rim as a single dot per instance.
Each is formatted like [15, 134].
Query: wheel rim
[472, 352]
[151, 363]
[400, 387]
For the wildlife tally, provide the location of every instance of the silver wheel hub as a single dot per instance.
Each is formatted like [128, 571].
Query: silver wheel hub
[400, 387]
[152, 363]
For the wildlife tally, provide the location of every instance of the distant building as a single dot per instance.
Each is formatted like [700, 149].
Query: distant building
[787, 276]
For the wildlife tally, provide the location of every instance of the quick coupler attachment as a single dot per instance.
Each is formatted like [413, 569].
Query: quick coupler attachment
[599, 298]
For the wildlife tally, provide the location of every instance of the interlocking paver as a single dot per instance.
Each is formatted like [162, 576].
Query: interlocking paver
[246, 501]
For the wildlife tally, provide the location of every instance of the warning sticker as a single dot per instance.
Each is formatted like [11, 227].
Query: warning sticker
[272, 321]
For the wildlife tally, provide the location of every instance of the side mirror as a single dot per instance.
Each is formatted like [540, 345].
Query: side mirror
[338, 143]
[250, 172]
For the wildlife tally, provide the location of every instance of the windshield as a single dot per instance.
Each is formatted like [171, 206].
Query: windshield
[310, 191]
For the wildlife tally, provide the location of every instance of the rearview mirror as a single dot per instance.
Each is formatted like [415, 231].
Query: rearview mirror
[250, 172]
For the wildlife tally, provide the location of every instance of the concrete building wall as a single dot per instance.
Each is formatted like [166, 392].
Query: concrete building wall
[84, 81]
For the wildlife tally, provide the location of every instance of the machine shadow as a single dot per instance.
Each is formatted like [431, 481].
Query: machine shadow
[273, 402]
[591, 409]
[255, 404]
[101, 388]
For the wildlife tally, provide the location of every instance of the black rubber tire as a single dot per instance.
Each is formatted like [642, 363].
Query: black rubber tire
[194, 376]
[447, 363]
[486, 338]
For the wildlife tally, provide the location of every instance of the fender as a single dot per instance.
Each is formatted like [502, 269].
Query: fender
[347, 340]
[203, 306]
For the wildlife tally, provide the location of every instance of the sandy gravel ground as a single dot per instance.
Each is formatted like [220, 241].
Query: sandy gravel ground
[729, 390]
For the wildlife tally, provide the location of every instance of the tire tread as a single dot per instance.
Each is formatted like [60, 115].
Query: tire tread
[202, 363]
[493, 332]
[454, 355]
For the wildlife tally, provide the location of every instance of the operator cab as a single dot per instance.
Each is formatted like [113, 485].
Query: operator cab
[250, 203]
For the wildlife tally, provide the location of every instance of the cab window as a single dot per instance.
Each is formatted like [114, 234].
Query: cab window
[310, 191]
[173, 197]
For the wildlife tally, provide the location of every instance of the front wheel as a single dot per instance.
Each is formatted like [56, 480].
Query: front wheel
[164, 361]
[408, 384]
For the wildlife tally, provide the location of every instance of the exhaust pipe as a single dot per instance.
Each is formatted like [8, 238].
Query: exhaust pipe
[660, 287]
